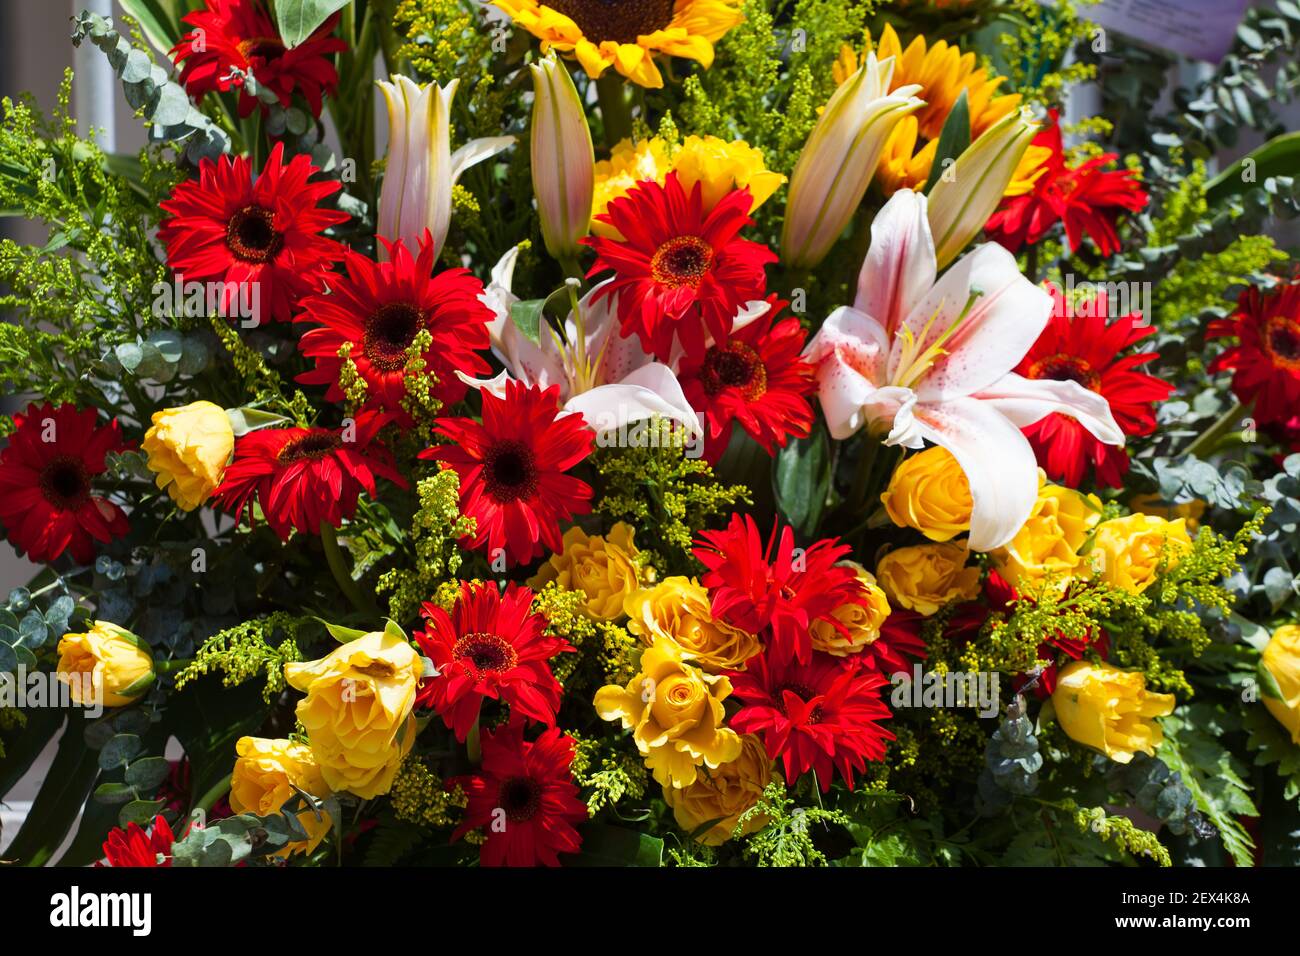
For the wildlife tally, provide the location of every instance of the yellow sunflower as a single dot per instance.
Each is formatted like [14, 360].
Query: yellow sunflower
[943, 71]
[625, 34]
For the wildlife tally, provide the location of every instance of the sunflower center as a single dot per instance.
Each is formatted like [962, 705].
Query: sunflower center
[488, 652]
[251, 234]
[734, 366]
[621, 21]
[520, 798]
[65, 483]
[308, 447]
[1283, 339]
[682, 260]
[510, 471]
[389, 333]
[1066, 368]
[804, 693]
[264, 48]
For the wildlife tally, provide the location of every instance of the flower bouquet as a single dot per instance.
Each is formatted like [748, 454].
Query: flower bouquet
[684, 432]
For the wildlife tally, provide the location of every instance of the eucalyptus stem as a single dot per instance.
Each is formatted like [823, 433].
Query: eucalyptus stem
[339, 568]
[1206, 441]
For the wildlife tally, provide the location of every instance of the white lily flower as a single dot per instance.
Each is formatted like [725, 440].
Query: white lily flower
[421, 168]
[563, 161]
[925, 359]
[963, 199]
[606, 378]
[839, 159]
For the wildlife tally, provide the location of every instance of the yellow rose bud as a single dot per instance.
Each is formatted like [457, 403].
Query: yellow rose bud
[925, 577]
[1110, 709]
[358, 710]
[863, 623]
[267, 775]
[1128, 552]
[1282, 661]
[189, 447]
[1047, 547]
[929, 492]
[602, 568]
[675, 713]
[107, 665]
[724, 795]
[677, 611]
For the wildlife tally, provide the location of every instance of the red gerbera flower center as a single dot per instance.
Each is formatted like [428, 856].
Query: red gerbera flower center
[734, 366]
[682, 260]
[267, 48]
[389, 333]
[1283, 341]
[487, 652]
[510, 471]
[1066, 368]
[520, 798]
[65, 483]
[309, 447]
[804, 693]
[251, 235]
[621, 21]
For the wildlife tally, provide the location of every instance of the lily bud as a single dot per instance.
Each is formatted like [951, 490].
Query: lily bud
[421, 167]
[563, 161]
[839, 159]
[964, 198]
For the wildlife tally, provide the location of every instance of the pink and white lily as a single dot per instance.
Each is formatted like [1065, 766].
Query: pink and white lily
[924, 358]
[606, 378]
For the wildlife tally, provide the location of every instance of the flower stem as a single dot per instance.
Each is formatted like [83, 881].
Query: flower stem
[339, 568]
[1208, 440]
[473, 743]
[615, 107]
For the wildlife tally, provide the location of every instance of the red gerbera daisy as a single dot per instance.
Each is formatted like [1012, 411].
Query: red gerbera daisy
[134, 847]
[820, 716]
[1080, 346]
[754, 376]
[524, 799]
[1265, 362]
[304, 477]
[900, 635]
[512, 469]
[241, 35]
[780, 593]
[1087, 198]
[379, 308]
[680, 272]
[47, 505]
[489, 646]
[258, 236]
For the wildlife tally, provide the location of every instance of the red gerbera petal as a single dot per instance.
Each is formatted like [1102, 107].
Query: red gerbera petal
[254, 237]
[490, 645]
[241, 35]
[524, 799]
[512, 469]
[133, 847]
[47, 503]
[1265, 362]
[822, 715]
[680, 274]
[304, 477]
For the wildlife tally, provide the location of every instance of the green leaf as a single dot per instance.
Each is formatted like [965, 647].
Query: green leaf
[114, 793]
[605, 845]
[140, 812]
[56, 806]
[299, 19]
[119, 750]
[148, 773]
[393, 629]
[159, 21]
[245, 420]
[342, 634]
[954, 139]
[527, 317]
[23, 744]
[801, 480]
[1280, 156]
[209, 718]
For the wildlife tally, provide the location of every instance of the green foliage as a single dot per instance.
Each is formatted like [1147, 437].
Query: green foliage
[787, 837]
[435, 528]
[241, 652]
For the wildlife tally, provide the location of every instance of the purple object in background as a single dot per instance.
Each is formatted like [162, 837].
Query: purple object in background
[1200, 29]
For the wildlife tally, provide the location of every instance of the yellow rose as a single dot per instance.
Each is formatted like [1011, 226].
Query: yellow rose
[107, 665]
[265, 777]
[1127, 552]
[188, 447]
[1110, 709]
[675, 713]
[1047, 545]
[863, 623]
[929, 492]
[628, 164]
[1189, 511]
[724, 795]
[677, 611]
[602, 568]
[925, 577]
[358, 710]
[1282, 660]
